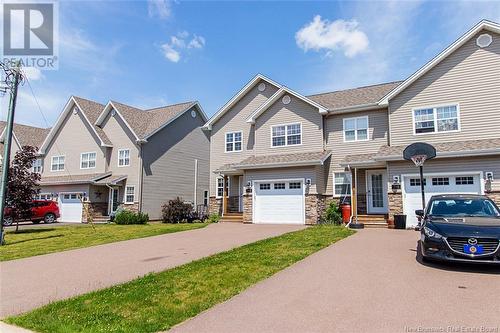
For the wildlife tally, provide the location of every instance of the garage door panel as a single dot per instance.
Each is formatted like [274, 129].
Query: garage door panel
[436, 185]
[280, 204]
[70, 207]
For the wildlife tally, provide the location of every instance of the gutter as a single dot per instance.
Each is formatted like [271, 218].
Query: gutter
[464, 153]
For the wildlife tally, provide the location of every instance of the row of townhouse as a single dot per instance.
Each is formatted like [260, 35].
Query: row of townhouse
[115, 155]
[277, 156]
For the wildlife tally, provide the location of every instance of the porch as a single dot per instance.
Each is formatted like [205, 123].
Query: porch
[232, 197]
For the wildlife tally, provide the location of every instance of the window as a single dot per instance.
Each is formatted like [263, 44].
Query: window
[37, 165]
[233, 141]
[44, 196]
[416, 182]
[465, 180]
[57, 163]
[123, 157]
[440, 181]
[87, 160]
[129, 194]
[279, 186]
[205, 198]
[72, 196]
[265, 186]
[342, 183]
[294, 185]
[356, 129]
[220, 187]
[436, 119]
[286, 135]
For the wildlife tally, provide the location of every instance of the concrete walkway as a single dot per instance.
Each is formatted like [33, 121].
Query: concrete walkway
[369, 282]
[29, 283]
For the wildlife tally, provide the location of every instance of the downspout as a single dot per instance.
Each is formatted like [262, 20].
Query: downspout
[195, 183]
[141, 176]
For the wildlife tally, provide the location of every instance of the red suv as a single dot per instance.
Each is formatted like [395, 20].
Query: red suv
[41, 210]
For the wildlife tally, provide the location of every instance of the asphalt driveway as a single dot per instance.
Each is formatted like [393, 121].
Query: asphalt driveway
[369, 282]
[29, 283]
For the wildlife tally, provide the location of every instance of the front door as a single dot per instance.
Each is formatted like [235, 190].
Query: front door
[240, 193]
[115, 202]
[376, 193]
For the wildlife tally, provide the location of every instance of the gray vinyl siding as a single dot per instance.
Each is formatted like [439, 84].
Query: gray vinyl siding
[471, 77]
[169, 164]
[122, 138]
[285, 173]
[378, 129]
[232, 121]
[450, 165]
[297, 111]
[75, 136]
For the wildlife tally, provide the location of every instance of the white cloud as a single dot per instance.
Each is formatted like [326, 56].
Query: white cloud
[331, 36]
[160, 8]
[179, 44]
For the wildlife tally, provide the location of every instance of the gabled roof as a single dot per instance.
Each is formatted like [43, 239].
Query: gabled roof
[25, 135]
[484, 24]
[145, 123]
[356, 98]
[283, 90]
[237, 97]
[281, 160]
[89, 109]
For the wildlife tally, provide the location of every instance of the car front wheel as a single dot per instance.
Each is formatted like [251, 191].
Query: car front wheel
[8, 220]
[49, 218]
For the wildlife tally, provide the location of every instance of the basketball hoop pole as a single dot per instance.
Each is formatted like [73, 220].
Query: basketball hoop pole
[422, 187]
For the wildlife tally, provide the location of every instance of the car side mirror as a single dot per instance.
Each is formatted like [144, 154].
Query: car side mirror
[419, 212]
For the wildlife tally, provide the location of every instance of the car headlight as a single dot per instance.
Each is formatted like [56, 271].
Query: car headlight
[431, 233]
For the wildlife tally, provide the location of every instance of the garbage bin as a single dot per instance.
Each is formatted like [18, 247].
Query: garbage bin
[346, 212]
[400, 221]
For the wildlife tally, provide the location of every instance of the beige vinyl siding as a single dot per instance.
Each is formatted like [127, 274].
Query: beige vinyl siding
[232, 121]
[450, 165]
[169, 164]
[378, 129]
[471, 77]
[285, 173]
[75, 136]
[122, 138]
[297, 111]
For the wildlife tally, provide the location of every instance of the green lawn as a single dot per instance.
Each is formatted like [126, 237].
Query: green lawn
[158, 301]
[42, 240]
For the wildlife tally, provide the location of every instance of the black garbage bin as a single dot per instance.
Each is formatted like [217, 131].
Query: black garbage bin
[400, 221]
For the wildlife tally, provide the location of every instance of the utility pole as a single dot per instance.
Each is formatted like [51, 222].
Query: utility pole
[12, 87]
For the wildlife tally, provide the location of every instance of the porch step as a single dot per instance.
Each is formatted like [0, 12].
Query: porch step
[101, 218]
[232, 218]
[373, 221]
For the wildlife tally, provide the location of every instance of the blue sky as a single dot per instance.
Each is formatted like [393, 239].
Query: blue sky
[148, 54]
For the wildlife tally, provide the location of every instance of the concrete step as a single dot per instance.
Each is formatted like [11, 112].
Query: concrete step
[375, 224]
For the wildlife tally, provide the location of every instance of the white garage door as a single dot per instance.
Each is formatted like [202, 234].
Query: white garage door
[279, 202]
[70, 207]
[434, 185]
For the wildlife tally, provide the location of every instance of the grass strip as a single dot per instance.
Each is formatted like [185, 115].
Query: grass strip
[42, 240]
[159, 301]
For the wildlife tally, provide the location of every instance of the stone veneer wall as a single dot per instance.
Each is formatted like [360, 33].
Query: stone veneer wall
[315, 206]
[97, 209]
[215, 206]
[495, 196]
[395, 204]
[247, 208]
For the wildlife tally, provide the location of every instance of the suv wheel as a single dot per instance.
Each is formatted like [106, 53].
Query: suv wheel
[49, 218]
[8, 220]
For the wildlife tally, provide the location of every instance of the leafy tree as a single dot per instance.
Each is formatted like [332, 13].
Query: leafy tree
[23, 184]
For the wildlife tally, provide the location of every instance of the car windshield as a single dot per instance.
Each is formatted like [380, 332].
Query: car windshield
[477, 207]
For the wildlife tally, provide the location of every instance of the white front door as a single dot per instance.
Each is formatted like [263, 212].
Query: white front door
[376, 191]
[70, 207]
[280, 202]
[114, 200]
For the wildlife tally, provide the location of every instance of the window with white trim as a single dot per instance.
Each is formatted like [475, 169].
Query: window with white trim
[37, 165]
[57, 163]
[286, 135]
[294, 185]
[440, 181]
[342, 183]
[123, 157]
[279, 186]
[234, 141]
[436, 119]
[356, 129]
[129, 194]
[220, 187]
[87, 160]
[464, 180]
[265, 186]
[416, 182]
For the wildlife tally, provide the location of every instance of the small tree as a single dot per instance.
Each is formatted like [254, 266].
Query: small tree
[332, 214]
[176, 211]
[23, 184]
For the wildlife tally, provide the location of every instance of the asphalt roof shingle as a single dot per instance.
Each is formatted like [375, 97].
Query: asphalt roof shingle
[28, 135]
[354, 97]
[92, 111]
[312, 157]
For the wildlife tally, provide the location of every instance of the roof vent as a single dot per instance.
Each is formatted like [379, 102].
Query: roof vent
[193, 113]
[262, 86]
[484, 40]
[75, 110]
[113, 113]
[286, 99]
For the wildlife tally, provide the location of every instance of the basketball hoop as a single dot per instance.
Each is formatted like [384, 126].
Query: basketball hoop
[419, 159]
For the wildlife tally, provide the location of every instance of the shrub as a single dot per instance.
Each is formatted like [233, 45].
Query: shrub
[332, 214]
[176, 211]
[128, 217]
[213, 218]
